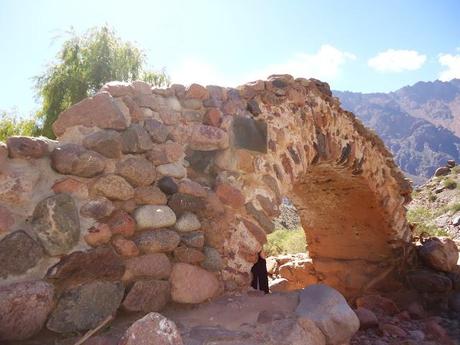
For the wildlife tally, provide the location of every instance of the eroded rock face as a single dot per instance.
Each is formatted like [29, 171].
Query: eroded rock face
[24, 308]
[191, 284]
[152, 326]
[55, 221]
[329, 310]
[86, 306]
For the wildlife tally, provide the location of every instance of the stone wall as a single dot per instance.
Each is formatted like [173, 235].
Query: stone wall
[151, 195]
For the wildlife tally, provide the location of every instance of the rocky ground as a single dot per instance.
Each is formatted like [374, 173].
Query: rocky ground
[257, 319]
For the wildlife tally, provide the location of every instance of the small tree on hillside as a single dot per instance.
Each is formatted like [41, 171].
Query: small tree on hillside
[83, 65]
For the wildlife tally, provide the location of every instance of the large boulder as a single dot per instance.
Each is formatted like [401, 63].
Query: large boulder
[429, 281]
[85, 306]
[24, 308]
[57, 225]
[154, 216]
[157, 241]
[152, 329]
[79, 267]
[27, 147]
[18, 253]
[329, 310]
[151, 266]
[440, 253]
[101, 111]
[147, 296]
[192, 284]
[72, 159]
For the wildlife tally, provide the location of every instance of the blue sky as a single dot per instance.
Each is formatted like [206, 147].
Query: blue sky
[362, 46]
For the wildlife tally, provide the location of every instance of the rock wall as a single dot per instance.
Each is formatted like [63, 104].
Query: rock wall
[157, 194]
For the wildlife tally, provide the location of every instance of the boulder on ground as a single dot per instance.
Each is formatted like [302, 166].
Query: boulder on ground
[440, 253]
[442, 171]
[152, 329]
[329, 310]
[147, 296]
[192, 284]
[24, 308]
[86, 306]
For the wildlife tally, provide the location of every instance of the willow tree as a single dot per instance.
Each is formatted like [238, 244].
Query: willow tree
[84, 64]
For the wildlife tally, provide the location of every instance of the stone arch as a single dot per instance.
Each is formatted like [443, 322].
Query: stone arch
[341, 178]
[134, 167]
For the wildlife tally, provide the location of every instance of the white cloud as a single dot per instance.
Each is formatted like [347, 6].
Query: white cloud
[325, 64]
[393, 60]
[452, 64]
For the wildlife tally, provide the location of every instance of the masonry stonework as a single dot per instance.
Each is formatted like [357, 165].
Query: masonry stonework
[152, 195]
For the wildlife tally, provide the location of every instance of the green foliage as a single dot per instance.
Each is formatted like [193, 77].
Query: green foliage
[423, 219]
[83, 65]
[283, 241]
[11, 124]
[432, 197]
[455, 207]
[449, 183]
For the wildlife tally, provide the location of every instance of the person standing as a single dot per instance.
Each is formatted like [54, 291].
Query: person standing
[260, 274]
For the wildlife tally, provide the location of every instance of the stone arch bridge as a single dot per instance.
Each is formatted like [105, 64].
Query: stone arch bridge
[170, 193]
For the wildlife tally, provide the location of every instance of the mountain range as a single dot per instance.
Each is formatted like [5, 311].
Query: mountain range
[420, 123]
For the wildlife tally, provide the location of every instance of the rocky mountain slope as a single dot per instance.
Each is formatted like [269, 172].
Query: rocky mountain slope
[419, 123]
[435, 208]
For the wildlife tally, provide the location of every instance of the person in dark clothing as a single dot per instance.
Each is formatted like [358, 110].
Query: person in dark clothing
[260, 275]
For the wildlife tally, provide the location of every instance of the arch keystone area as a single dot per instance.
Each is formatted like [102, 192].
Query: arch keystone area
[143, 177]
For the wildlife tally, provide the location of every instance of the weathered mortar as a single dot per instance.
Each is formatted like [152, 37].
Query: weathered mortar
[220, 159]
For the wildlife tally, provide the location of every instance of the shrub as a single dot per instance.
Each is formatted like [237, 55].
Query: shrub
[283, 241]
[423, 219]
[449, 183]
